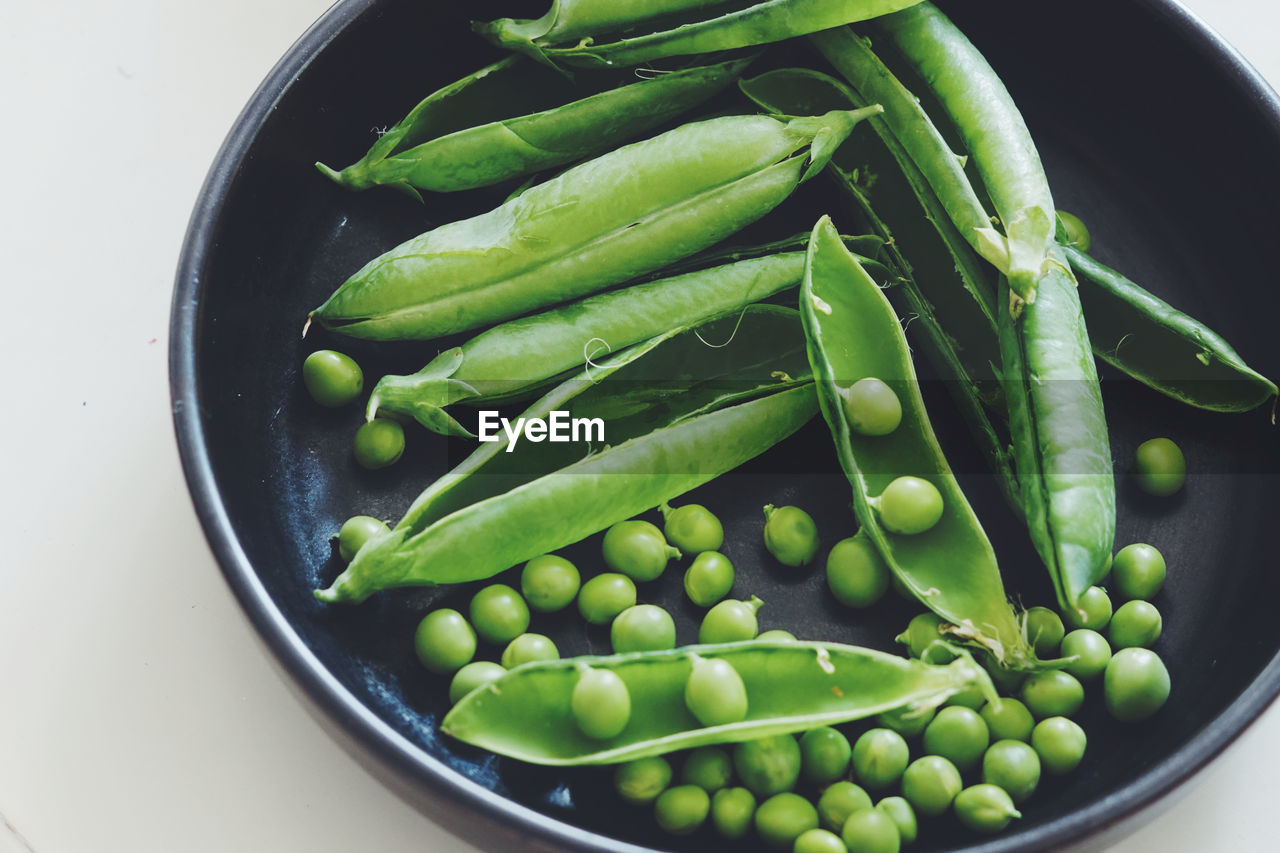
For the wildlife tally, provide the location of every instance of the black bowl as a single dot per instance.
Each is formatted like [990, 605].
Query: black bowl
[1151, 128]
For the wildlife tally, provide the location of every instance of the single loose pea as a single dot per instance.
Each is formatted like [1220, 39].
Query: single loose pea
[1045, 631]
[1136, 684]
[879, 757]
[1160, 466]
[1092, 610]
[473, 675]
[528, 648]
[643, 628]
[692, 528]
[1013, 766]
[1090, 650]
[499, 613]
[1052, 693]
[708, 767]
[708, 578]
[549, 583]
[959, 735]
[777, 635]
[1077, 231]
[444, 641]
[682, 809]
[790, 535]
[1008, 720]
[1060, 743]
[332, 378]
[732, 810]
[908, 721]
[1136, 623]
[824, 755]
[1138, 571]
[840, 800]
[985, 808]
[923, 631]
[605, 596]
[637, 549]
[783, 818]
[730, 622]
[903, 816]
[910, 506]
[819, 841]
[640, 782]
[357, 530]
[873, 408]
[768, 765]
[971, 697]
[871, 831]
[601, 704]
[856, 574]
[714, 692]
[379, 443]
[930, 783]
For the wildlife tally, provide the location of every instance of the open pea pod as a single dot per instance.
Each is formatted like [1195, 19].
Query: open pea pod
[853, 333]
[791, 686]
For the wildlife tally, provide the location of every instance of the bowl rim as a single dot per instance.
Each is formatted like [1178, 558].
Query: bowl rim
[447, 787]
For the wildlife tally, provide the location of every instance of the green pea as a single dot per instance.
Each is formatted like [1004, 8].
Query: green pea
[1052, 693]
[708, 578]
[682, 809]
[730, 622]
[1160, 467]
[379, 443]
[601, 704]
[840, 800]
[1136, 684]
[907, 722]
[1008, 720]
[856, 573]
[910, 506]
[985, 808]
[871, 831]
[783, 818]
[1136, 623]
[879, 758]
[1092, 611]
[973, 697]
[708, 767]
[605, 596]
[499, 613]
[790, 535]
[643, 628]
[1060, 743]
[930, 783]
[444, 641]
[768, 765]
[473, 675]
[872, 406]
[1138, 571]
[637, 549]
[903, 816]
[528, 648]
[1091, 650]
[824, 755]
[640, 782]
[923, 631]
[1013, 766]
[332, 379]
[819, 841]
[1007, 681]
[715, 693]
[549, 583]
[357, 530]
[1077, 233]
[692, 528]
[732, 810]
[1045, 631]
[959, 735]
[777, 635]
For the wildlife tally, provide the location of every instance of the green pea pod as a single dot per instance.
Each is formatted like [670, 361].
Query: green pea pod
[854, 333]
[791, 686]
[585, 23]
[415, 155]
[610, 219]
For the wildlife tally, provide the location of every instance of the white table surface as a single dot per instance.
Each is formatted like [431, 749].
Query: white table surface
[138, 712]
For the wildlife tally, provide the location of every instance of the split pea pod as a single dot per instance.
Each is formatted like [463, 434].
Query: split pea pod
[602, 222]
[424, 152]
[790, 686]
[578, 32]
[951, 566]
